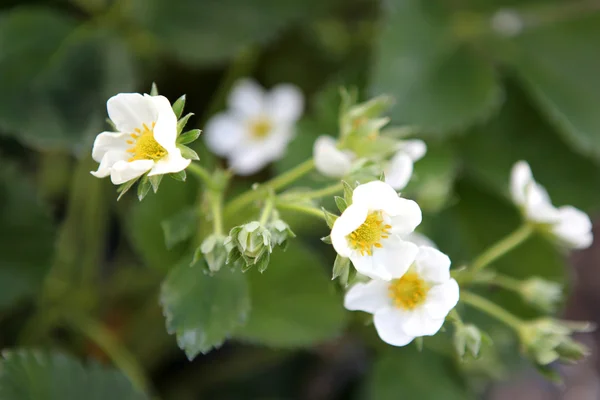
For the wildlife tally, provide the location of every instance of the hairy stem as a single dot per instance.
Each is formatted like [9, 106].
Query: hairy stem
[315, 212]
[491, 309]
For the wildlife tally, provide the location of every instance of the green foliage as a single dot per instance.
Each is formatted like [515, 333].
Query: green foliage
[56, 75]
[409, 374]
[180, 227]
[293, 303]
[201, 309]
[39, 375]
[26, 237]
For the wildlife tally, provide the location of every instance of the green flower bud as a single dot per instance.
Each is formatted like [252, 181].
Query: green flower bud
[214, 251]
[280, 232]
[541, 293]
[251, 243]
[467, 340]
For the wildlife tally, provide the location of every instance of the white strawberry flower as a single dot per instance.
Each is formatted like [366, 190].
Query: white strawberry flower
[569, 225]
[145, 141]
[370, 231]
[399, 169]
[329, 160]
[257, 127]
[414, 303]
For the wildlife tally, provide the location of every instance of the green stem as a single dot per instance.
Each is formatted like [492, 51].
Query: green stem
[113, 349]
[315, 212]
[491, 309]
[503, 281]
[217, 211]
[319, 193]
[274, 184]
[201, 173]
[266, 212]
[499, 249]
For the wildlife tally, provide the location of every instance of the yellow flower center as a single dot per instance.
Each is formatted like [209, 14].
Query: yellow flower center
[260, 128]
[408, 291]
[369, 234]
[145, 147]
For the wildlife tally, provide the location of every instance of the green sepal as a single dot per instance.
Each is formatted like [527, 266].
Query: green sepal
[143, 187]
[188, 153]
[155, 182]
[124, 188]
[183, 122]
[111, 124]
[340, 203]
[189, 136]
[154, 90]
[326, 239]
[329, 217]
[341, 269]
[178, 106]
[348, 190]
[179, 176]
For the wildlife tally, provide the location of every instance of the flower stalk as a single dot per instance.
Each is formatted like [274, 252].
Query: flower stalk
[491, 309]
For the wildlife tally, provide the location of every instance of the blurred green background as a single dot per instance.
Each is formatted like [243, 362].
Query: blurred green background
[487, 82]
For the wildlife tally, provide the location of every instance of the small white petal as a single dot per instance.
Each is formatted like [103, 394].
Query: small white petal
[538, 207]
[165, 130]
[351, 218]
[247, 98]
[406, 218]
[441, 299]
[123, 171]
[329, 160]
[432, 265]
[109, 141]
[574, 228]
[520, 178]
[420, 240]
[107, 162]
[284, 103]
[415, 148]
[368, 297]
[378, 195]
[388, 324]
[223, 133]
[418, 322]
[129, 111]
[172, 163]
[253, 155]
[399, 171]
[388, 262]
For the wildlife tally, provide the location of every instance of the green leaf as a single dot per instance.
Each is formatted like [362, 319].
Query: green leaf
[293, 303]
[189, 136]
[405, 373]
[180, 227]
[178, 106]
[439, 84]
[188, 153]
[203, 310]
[31, 374]
[59, 71]
[26, 237]
[559, 65]
[144, 220]
[210, 32]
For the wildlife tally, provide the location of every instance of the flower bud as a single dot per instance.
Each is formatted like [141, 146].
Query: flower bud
[547, 340]
[280, 232]
[250, 242]
[541, 293]
[467, 340]
[214, 252]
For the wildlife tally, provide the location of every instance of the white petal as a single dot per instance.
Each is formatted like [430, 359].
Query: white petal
[574, 228]
[420, 240]
[408, 216]
[388, 262]
[247, 98]
[109, 141]
[173, 162]
[538, 207]
[329, 160]
[368, 297]
[123, 171]
[223, 133]
[388, 324]
[252, 155]
[107, 162]
[285, 103]
[441, 299]
[418, 322]
[351, 218]
[378, 195]
[129, 111]
[432, 265]
[165, 130]
[415, 148]
[398, 171]
[520, 178]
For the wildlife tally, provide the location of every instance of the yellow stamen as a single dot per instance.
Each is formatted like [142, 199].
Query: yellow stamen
[369, 234]
[260, 128]
[145, 147]
[409, 291]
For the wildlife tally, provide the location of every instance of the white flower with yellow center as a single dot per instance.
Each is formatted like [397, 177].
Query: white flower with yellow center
[399, 169]
[414, 303]
[370, 231]
[257, 127]
[570, 226]
[145, 141]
